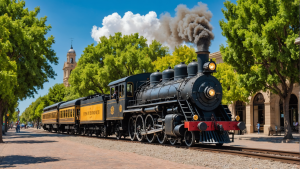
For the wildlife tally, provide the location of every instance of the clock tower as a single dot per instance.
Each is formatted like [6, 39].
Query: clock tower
[69, 65]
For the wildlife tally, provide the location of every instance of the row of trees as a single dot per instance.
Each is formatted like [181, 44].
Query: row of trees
[57, 93]
[25, 54]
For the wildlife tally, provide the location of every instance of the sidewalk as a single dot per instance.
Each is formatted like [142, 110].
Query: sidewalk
[263, 141]
[33, 149]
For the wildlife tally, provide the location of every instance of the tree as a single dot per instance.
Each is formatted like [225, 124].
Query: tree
[25, 54]
[70, 94]
[56, 93]
[113, 58]
[180, 54]
[260, 46]
[232, 91]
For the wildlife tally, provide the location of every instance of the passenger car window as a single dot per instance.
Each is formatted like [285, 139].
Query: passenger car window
[129, 91]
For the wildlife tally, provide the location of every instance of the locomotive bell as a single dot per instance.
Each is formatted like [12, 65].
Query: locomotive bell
[155, 78]
[167, 74]
[180, 71]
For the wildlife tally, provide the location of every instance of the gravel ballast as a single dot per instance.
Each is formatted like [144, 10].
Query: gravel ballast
[184, 156]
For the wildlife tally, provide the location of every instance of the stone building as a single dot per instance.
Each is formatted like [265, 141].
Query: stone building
[263, 107]
[69, 65]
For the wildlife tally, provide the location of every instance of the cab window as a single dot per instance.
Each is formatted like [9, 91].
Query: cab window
[112, 90]
[121, 90]
[129, 91]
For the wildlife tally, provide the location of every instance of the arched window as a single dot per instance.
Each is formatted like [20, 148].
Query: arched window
[70, 72]
[259, 111]
[71, 60]
[293, 111]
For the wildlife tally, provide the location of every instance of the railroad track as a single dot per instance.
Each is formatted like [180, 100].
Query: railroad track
[265, 154]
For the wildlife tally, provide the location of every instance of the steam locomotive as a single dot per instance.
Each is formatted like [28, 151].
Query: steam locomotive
[180, 105]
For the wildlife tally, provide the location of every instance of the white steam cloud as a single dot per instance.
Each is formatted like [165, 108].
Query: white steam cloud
[131, 23]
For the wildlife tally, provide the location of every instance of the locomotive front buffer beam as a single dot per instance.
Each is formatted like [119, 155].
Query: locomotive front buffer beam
[214, 125]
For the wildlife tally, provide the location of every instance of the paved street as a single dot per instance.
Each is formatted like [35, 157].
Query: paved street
[34, 148]
[31, 149]
[262, 141]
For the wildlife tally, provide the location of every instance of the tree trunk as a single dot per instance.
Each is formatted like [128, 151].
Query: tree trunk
[1, 119]
[5, 121]
[287, 125]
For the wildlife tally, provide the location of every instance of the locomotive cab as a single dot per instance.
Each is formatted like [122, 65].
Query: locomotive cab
[122, 94]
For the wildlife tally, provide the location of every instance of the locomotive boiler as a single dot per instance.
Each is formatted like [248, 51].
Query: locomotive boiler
[184, 105]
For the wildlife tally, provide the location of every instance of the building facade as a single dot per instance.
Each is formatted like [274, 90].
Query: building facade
[69, 65]
[264, 107]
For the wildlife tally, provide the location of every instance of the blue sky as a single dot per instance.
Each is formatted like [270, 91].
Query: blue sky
[75, 19]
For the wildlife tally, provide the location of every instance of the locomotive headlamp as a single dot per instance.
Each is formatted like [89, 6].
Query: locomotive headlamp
[212, 66]
[211, 92]
[195, 117]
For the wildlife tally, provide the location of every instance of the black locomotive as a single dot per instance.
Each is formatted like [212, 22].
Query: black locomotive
[180, 106]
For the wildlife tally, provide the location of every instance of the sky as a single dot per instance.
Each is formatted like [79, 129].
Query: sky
[76, 19]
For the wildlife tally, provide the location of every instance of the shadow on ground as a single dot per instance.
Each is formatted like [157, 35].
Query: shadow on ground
[29, 142]
[25, 134]
[14, 160]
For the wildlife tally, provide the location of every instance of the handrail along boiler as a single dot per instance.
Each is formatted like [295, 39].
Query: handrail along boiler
[180, 106]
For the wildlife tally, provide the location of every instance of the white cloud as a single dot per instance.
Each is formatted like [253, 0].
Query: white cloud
[145, 25]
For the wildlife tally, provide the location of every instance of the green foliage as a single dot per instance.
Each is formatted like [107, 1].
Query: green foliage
[25, 54]
[181, 54]
[56, 93]
[113, 58]
[260, 36]
[232, 91]
[70, 94]
[260, 46]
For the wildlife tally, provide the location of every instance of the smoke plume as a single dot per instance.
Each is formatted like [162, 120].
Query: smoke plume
[188, 25]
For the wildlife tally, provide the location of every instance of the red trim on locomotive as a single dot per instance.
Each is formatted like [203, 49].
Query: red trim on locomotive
[212, 125]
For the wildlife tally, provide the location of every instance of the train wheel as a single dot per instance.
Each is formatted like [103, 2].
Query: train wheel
[161, 137]
[131, 129]
[118, 132]
[189, 138]
[103, 131]
[173, 141]
[139, 127]
[149, 124]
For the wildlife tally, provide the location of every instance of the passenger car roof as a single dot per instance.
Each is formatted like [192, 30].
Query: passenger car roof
[71, 103]
[53, 106]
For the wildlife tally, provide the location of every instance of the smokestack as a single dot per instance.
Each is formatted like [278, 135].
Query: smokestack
[202, 57]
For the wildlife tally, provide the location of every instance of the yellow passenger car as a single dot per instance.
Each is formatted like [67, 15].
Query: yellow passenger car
[92, 110]
[69, 115]
[50, 117]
